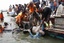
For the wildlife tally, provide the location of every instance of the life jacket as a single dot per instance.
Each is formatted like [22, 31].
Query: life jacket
[18, 17]
[1, 16]
[31, 9]
[1, 30]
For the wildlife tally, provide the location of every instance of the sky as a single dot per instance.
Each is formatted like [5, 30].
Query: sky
[4, 4]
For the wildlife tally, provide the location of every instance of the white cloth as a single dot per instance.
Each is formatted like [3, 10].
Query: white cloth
[60, 10]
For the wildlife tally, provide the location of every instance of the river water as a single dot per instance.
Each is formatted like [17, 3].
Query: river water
[8, 37]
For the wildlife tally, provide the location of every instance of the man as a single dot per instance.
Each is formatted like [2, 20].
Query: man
[60, 10]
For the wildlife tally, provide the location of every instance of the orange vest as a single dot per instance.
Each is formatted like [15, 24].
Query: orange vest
[1, 16]
[31, 9]
[1, 30]
[19, 17]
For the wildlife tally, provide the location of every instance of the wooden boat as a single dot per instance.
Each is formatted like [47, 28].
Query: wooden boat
[58, 29]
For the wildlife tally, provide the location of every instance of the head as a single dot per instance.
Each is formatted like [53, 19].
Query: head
[16, 5]
[44, 3]
[5, 23]
[32, 5]
[19, 5]
[13, 6]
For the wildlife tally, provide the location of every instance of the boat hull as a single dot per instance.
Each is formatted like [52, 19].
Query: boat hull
[55, 34]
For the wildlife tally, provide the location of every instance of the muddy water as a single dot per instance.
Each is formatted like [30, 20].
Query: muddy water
[8, 37]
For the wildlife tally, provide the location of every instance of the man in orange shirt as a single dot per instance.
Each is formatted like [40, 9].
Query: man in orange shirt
[20, 17]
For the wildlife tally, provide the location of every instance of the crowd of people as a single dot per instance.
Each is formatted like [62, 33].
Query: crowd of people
[33, 17]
